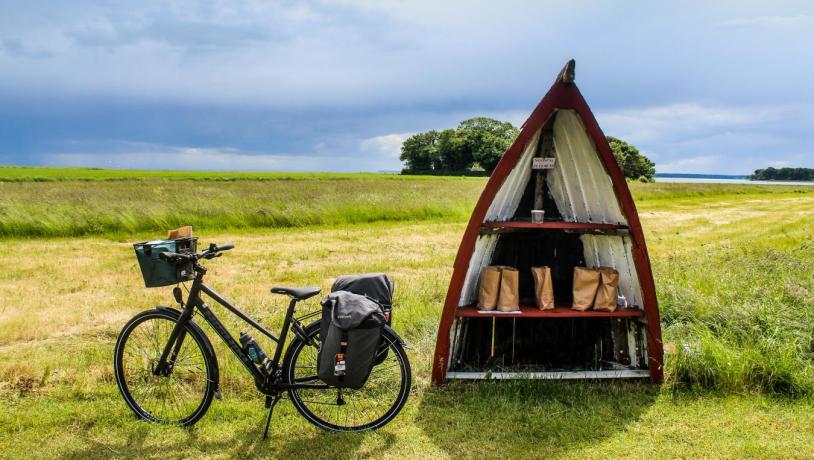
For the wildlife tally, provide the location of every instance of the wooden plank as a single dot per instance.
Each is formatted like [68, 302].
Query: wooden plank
[568, 73]
[545, 149]
[554, 225]
[553, 375]
[558, 312]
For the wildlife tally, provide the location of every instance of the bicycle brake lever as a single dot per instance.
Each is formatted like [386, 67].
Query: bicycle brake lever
[176, 292]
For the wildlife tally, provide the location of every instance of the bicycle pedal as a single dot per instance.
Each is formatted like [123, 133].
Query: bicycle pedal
[218, 394]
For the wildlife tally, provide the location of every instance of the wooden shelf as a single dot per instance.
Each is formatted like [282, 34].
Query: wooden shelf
[558, 312]
[553, 225]
[552, 375]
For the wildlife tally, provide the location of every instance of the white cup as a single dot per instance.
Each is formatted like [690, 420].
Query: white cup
[537, 216]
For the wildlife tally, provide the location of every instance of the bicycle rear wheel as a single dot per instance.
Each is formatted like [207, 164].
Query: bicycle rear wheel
[183, 396]
[345, 409]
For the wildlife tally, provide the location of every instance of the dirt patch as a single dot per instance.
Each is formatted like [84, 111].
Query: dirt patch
[21, 381]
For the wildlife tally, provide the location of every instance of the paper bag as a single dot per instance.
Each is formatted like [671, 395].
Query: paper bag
[489, 288]
[586, 283]
[509, 297]
[608, 286]
[543, 287]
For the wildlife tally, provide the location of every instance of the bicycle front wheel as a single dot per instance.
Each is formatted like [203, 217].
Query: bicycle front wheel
[345, 409]
[183, 395]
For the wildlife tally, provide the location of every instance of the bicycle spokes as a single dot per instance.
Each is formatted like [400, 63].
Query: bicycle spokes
[169, 395]
[345, 408]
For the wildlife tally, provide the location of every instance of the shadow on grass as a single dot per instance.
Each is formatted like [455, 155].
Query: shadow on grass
[529, 418]
[326, 444]
[145, 440]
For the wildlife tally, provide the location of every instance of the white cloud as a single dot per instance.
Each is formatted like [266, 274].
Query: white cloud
[388, 144]
[136, 155]
[700, 164]
[773, 22]
[16, 48]
[182, 158]
[682, 120]
[699, 138]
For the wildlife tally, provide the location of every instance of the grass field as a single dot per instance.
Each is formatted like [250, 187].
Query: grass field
[49, 174]
[52, 202]
[150, 202]
[733, 266]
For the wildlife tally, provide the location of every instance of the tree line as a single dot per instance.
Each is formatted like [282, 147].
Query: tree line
[477, 144]
[801, 174]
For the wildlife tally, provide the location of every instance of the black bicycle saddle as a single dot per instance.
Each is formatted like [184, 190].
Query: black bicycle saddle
[300, 293]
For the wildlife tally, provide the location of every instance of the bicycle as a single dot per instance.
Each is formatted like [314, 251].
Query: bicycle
[167, 371]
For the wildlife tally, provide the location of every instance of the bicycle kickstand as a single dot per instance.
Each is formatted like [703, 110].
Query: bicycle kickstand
[271, 401]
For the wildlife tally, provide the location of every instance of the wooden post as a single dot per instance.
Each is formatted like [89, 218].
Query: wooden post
[545, 149]
[568, 73]
[493, 337]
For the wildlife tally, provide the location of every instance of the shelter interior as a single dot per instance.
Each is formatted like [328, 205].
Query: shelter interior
[583, 227]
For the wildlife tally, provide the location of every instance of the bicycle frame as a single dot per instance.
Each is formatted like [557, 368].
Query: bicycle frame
[266, 383]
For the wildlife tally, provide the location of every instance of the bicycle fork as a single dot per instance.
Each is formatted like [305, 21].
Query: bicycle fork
[167, 361]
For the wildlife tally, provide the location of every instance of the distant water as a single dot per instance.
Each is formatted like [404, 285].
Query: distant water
[704, 180]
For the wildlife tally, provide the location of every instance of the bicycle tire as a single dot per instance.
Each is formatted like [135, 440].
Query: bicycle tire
[203, 345]
[399, 354]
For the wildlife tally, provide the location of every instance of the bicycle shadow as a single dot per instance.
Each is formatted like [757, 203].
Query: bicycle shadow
[289, 437]
[530, 418]
[325, 444]
[293, 436]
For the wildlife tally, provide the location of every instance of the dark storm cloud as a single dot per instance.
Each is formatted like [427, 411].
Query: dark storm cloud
[715, 87]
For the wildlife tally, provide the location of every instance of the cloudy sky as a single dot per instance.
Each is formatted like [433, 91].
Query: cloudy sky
[700, 87]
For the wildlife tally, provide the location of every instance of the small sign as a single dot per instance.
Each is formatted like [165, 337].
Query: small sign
[339, 365]
[542, 163]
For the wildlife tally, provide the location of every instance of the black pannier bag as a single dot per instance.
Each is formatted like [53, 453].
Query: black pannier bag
[376, 286]
[351, 331]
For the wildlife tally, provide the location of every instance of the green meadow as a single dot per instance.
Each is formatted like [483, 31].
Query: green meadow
[734, 269]
[129, 202]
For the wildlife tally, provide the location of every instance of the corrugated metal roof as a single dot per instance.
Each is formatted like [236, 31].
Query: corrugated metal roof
[581, 188]
[484, 249]
[508, 197]
[614, 251]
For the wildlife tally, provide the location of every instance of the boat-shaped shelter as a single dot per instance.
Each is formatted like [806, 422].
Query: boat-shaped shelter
[590, 220]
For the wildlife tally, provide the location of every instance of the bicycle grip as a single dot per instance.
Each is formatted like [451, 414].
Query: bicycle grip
[226, 247]
[169, 256]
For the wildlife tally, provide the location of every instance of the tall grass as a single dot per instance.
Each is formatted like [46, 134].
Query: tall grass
[743, 320]
[76, 208]
[689, 191]
[78, 202]
[53, 174]
[735, 279]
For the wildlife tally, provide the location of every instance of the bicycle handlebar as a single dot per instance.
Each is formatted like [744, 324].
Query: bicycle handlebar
[213, 251]
[172, 256]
